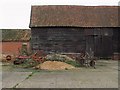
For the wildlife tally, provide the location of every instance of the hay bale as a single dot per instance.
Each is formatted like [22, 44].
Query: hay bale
[54, 65]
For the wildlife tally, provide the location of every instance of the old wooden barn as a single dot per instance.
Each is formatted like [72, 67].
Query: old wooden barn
[75, 29]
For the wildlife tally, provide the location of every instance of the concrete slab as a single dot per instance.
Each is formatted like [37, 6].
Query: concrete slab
[10, 79]
[105, 76]
[39, 80]
[71, 80]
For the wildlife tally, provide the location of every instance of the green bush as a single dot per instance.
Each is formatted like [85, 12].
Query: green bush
[29, 63]
[73, 63]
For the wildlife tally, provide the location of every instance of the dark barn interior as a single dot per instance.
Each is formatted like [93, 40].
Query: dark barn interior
[58, 29]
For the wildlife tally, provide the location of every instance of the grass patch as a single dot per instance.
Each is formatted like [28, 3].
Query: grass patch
[15, 86]
[28, 63]
[73, 63]
[30, 75]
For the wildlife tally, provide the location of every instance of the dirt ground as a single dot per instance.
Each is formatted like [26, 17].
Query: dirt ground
[104, 76]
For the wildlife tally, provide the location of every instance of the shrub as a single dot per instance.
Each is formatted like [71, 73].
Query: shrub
[58, 57]
[73, 63]
[29, 63]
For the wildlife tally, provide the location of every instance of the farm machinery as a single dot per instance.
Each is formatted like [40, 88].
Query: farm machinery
[24, 56]
[84, 59]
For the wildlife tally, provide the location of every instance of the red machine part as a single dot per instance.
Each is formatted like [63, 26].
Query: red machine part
[39, 56]
[23, 57]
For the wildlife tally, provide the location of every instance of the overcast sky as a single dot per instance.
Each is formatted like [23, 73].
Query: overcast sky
[16, 13]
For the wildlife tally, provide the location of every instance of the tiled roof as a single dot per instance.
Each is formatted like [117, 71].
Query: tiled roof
[79, 16]
[16, 34]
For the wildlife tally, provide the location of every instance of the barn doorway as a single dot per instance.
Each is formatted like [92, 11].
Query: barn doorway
[99, 41]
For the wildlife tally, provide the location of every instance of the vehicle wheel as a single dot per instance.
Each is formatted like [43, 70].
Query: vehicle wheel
[8, 57]
[92, 63]
[16, 62]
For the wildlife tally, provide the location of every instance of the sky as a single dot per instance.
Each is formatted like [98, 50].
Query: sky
[15, 14]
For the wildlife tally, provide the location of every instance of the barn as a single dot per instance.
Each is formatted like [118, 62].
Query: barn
[75, 29]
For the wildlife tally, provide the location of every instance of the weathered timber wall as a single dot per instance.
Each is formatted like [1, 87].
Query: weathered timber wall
[58, 39]
[102, 41]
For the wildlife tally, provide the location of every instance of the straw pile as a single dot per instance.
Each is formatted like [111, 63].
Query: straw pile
[54, 65]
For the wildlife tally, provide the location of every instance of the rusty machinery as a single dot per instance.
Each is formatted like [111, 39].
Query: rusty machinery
[38, 56]
[23, 54]
[85, 59]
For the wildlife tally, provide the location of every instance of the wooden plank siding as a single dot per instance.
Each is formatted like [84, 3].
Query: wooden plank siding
[116, 40]
[58, 39]
[102, 41]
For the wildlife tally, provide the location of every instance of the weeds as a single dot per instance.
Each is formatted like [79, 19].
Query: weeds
[73, 63]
